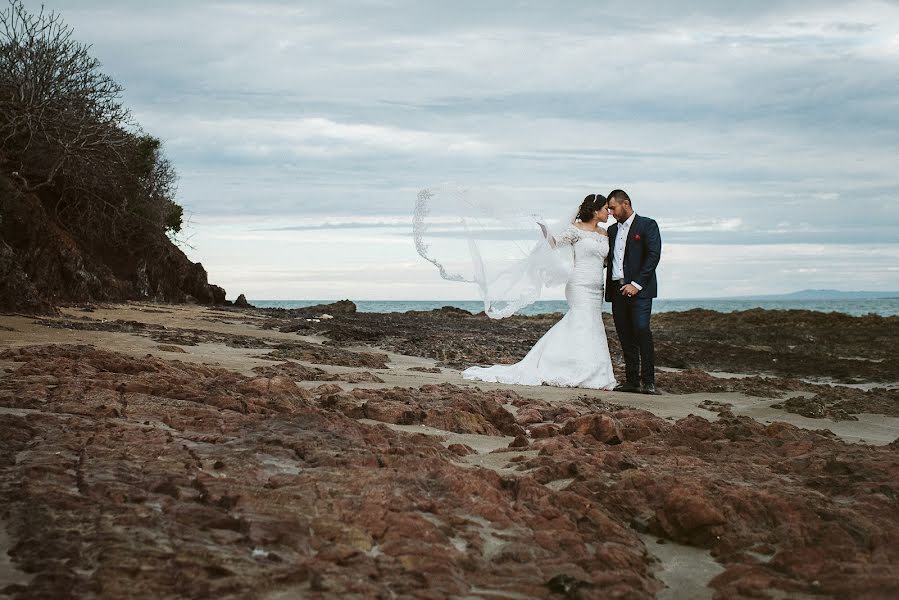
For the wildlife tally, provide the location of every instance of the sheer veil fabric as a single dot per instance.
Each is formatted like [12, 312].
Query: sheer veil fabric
[511, 259]
[482, 238]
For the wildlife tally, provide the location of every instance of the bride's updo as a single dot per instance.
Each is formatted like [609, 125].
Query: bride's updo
[591, 204]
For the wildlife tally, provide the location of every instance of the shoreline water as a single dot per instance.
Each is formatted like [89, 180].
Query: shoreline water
[888, 307]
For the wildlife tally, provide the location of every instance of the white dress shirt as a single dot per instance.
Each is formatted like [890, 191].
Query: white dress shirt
[620, 246]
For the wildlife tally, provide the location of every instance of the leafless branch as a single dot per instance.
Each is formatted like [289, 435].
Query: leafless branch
[64, 128]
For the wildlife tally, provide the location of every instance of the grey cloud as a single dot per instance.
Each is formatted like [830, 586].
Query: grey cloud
[779, 111]
[853, 27]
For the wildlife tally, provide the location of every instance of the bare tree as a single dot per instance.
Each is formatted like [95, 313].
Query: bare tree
[64, 130]
[53, 98]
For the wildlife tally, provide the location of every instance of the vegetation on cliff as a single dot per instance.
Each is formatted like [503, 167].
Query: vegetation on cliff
[87, 204]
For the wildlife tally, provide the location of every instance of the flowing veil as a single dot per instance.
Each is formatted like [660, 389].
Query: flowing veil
[487, 239]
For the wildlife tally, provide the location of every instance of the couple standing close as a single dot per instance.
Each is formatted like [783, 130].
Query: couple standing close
[575, 351]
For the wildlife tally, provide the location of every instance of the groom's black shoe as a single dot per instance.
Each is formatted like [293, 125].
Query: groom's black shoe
[627, 387]
[650, 389]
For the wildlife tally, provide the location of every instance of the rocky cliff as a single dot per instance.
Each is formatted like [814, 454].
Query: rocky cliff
[42, 264]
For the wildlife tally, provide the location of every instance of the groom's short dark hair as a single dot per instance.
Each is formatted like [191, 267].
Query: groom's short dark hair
[620, 196]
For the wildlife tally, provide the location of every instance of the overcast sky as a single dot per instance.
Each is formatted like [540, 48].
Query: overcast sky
[763, 138]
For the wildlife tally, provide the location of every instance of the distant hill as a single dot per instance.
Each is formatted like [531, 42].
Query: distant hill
[829, 295]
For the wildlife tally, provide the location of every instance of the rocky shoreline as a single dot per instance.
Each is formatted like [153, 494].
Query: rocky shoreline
[788, 343]
[775, 352]
[172, 450]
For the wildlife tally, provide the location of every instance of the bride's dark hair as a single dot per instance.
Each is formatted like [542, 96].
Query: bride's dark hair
[591, 204]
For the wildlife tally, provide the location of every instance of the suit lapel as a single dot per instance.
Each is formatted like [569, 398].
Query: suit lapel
[632, 230]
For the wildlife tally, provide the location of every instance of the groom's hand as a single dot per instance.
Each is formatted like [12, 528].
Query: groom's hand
[629, 290]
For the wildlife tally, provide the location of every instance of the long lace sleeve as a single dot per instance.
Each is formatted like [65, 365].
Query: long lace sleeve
[569, 236]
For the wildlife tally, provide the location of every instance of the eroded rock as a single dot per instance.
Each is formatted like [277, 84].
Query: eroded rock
[822, 512]
[447, 407]
[204, 482]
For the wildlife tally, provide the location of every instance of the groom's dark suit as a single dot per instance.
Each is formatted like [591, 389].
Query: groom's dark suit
[642, 252]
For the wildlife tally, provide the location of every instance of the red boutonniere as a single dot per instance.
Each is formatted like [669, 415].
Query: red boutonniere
[636, 236]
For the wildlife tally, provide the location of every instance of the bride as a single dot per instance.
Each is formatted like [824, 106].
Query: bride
[575, 351]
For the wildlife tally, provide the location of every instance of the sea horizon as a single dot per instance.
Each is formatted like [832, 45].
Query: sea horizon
[884, 307]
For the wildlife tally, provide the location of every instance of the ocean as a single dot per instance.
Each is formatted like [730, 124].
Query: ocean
[888, 307]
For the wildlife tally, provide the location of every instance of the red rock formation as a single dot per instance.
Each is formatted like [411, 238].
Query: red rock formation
[145, 478]
[447, 407]
[782, 508]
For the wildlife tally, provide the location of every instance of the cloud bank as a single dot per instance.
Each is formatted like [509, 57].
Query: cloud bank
[763, 138]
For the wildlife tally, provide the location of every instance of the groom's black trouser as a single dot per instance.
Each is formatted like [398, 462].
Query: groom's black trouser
[631, 316]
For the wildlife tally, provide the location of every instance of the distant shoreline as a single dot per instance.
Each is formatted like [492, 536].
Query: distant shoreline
[885, 307]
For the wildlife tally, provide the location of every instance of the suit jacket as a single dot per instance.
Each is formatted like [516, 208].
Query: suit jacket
[642, 252]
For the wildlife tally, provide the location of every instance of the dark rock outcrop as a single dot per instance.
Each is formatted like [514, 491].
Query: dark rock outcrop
[17, 292]
[334, 309]
[43, 265]
[241, 302]
[787, 344]
[341, 307]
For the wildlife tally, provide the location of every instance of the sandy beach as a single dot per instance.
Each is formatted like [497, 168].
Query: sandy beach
[195, 451]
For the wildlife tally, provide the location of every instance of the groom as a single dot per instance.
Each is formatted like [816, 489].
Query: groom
[635, 247]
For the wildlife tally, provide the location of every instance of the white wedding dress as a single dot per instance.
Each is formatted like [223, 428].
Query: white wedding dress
[575, 351]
